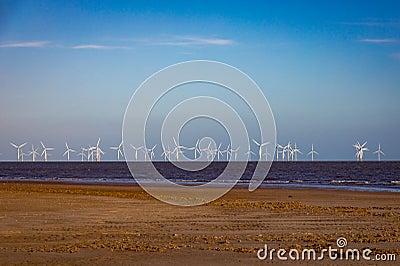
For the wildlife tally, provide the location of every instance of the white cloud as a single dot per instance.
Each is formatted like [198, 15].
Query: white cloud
[189, 41]
[380, 40]
[100, 47]
[209, 41]
[24, 44]
[183, 40]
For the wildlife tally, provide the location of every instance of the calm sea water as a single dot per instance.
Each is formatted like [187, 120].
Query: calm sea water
[372, 176]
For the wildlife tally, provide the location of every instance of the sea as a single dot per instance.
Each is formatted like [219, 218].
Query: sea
[363, 176]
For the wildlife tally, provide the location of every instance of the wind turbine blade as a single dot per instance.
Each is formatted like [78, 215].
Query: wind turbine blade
[364, 144]
[15, 146]
[258, 144]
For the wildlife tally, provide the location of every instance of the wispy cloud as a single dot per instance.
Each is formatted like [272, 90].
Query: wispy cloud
[24, 44]
[100, 47]
[172, 40]
[188, 41]
[380, 40]
[208, 41]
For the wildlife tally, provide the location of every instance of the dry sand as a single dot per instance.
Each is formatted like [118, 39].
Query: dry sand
[94, 224]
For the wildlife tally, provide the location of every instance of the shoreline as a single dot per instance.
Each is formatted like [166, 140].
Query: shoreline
[102, 224]
[240, 185]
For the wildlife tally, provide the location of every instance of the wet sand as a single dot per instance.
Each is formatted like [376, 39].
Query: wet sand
[96, 224]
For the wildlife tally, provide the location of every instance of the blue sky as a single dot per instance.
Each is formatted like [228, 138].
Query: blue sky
[330, 71]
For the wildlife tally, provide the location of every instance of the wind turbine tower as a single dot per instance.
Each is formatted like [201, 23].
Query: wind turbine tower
[118, 149]
[360, 150]
[34, 153]
[44, 152]
[379, 152]
[312, 152]
[68, 151]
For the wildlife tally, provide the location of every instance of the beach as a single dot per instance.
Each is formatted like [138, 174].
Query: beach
[57, 223]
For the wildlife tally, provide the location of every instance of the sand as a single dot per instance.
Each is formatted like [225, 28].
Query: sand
[99, 224]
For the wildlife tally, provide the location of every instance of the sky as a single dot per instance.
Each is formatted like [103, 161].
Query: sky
[330, 70]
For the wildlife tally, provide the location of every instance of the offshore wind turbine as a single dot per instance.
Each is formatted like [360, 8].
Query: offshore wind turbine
[208, 151]
[166, 153]
[286, 149]
[379, 152]
[68, 151]
[234, 152]
[277, 147]
[228, 152]
[145, 152]
[44, 152]
[90, 153]
[260, 145]
[266, 153]
[360, 150]
[34, 153]
[151, 156]
[99, 152]
[177, 150]
[295, 151]
[169, 153]
[218, 151]
[22, 156]
[19, 149]
[137, 149]
[312, 152]
[82, 153]
[195, 148]
[118, 149]
[249, 152]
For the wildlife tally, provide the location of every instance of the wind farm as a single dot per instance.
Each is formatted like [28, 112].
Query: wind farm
[282, 153]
